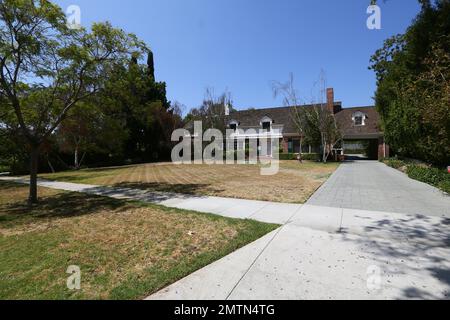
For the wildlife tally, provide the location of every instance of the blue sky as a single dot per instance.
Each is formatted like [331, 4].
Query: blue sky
[243, 45]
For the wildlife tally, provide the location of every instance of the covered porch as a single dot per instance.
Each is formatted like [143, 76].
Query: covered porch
[368, 146]
[364, 146]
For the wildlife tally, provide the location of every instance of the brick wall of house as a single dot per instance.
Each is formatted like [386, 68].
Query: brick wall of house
[330, 99]
[285, 145]
[383, 149]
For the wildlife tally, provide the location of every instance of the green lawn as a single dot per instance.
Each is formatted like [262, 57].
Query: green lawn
[126, 250]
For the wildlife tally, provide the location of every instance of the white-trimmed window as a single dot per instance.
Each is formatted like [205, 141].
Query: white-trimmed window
[359, 119]
[266, 124]
[233, 125]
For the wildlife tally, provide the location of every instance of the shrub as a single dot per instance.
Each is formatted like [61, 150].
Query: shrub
[445, 186]
[288, 156]
[305, 156]
[311, 156]
[394, 163]
[434, 176]
[429, 175]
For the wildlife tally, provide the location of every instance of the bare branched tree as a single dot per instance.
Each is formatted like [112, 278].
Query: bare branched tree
[322, 120]
[314, 123]
[291, 99]
[213, 110]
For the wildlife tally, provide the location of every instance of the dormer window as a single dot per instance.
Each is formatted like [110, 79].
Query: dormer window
[266, 124]
[233, 124]
[359, 119]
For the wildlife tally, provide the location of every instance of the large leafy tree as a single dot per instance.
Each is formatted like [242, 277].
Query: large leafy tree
[47, 68]
[141, 103]
[90, 128]
[413, 94]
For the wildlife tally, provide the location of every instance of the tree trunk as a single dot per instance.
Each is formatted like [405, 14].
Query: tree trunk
[75, 164]
[324, 150]
[50, 165]
[34, 159]
[300, 158]
[82, 159]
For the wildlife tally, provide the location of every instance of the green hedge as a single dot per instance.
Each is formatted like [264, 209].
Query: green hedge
[395, 163]
[311, 156]
[445, 185]
[305, 156]
[434, 176]
[288, 156]
[439, 178]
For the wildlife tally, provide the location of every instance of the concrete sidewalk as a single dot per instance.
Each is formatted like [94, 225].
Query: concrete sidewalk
[329, 253]
[270, 212]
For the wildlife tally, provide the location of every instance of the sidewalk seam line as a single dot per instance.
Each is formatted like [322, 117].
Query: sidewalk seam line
[342, 220]
[257, 211]
[253, 263]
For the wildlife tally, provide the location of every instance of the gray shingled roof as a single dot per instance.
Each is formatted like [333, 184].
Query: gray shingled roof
[283, 116]
[372, 122]
[252, 118]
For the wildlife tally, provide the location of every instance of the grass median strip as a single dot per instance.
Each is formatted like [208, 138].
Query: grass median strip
[125, 250]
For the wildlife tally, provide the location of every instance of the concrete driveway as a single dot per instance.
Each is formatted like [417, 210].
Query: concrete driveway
[371, 185]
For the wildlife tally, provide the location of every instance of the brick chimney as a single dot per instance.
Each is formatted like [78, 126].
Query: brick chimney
[330, 100]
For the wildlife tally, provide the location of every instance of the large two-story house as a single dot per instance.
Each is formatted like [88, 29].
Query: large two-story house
[359, 126]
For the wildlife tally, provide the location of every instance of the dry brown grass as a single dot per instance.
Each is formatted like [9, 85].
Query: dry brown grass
[294, 183]
[124, 249]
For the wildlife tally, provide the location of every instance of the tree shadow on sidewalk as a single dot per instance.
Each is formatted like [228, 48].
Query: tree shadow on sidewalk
[408, 245]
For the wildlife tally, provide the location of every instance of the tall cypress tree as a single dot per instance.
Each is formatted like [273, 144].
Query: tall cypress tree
[151, 65]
